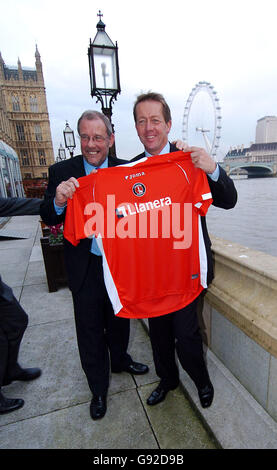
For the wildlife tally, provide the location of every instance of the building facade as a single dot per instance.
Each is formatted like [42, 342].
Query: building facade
[266, 130]
[262, 153]
[264, 150]
[24, 118]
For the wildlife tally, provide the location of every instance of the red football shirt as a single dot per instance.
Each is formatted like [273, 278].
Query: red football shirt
[146, 217]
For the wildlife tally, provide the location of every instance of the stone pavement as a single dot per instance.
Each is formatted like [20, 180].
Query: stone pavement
[56, 411]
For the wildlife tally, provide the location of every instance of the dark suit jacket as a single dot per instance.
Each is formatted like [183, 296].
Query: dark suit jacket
[76, 257]
[224, 196]
[10, 206]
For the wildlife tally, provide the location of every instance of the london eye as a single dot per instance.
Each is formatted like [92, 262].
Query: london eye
[202, 118]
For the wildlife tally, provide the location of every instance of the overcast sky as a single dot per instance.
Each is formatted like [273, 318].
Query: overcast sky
[164, 46]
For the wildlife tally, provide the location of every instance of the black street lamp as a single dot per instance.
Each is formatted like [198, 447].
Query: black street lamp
[104, 70]
[69, 139]
[61, 154]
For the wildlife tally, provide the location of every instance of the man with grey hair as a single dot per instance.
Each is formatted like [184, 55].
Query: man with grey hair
[90, 115]
[102, 337]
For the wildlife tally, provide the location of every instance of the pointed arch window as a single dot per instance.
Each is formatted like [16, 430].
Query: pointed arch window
[42, 159]
[25, 160]
[38, 133]
[33, 104]
[20, 132]
[15, 103]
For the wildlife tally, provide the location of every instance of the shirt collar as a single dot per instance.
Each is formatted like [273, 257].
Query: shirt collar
[89, 167]
[166, 149]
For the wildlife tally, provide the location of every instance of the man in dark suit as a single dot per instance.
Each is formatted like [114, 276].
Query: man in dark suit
[13, 319]
[180, 329]
[102, 337]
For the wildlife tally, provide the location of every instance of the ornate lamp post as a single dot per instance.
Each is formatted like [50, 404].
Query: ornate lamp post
[104, 70]
[69, 139]
[61, 154]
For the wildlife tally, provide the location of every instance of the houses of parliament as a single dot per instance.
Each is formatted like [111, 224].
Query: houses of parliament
[24, 118]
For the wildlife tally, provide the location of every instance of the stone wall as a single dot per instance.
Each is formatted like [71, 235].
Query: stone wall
[240, 317]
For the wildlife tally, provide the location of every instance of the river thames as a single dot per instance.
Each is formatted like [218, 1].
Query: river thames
[253, 221]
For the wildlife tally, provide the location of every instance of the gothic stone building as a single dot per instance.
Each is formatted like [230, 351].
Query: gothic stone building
[24, 119]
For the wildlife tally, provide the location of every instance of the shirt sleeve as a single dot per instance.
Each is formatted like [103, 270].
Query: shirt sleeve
[215, 175]
[59, 210]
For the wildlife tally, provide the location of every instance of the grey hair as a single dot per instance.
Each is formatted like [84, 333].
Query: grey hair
[90, 115]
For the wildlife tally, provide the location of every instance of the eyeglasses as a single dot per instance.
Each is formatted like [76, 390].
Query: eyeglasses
[97, 138]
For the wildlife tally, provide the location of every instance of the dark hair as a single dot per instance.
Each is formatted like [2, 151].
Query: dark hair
[90, 115]
[152, 96]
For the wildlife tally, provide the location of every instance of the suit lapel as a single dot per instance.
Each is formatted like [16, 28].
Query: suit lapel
[173, 148]
[78, 166]
[112, 161]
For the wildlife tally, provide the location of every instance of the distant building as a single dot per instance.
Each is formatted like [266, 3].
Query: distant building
[24, 118]
[264, 150]
[266, 130]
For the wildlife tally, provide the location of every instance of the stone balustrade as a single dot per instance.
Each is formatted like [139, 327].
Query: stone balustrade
[240, 317]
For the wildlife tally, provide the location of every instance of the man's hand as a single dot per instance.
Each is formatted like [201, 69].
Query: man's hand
[201, 159]
[181, 145]
[65, 191]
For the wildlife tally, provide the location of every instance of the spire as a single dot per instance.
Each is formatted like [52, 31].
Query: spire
[37, 54]
[20, 73]
[39, 66]
[2, 64]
